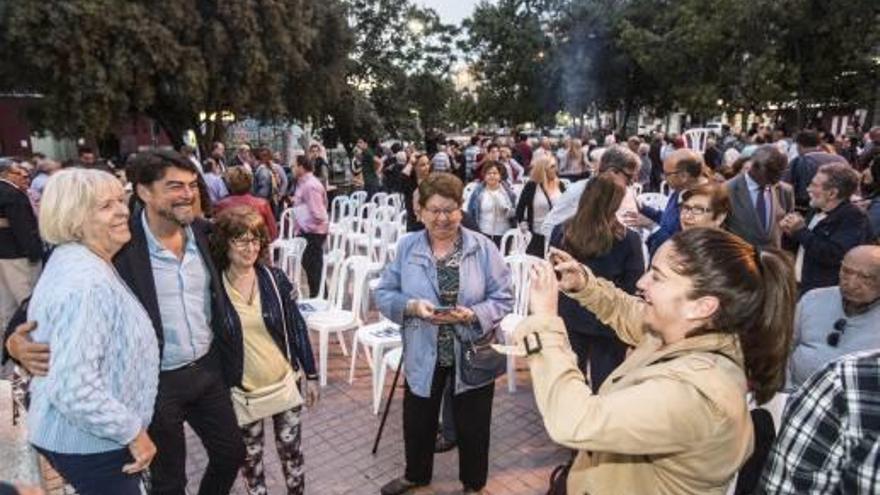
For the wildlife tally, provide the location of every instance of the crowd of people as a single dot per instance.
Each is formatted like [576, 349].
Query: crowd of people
[141, 297]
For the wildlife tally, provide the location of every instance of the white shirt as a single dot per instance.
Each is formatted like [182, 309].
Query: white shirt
[495, 209]
[566, 205]
[799, 261]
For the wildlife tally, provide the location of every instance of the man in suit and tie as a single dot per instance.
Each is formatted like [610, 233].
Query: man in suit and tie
[834, 226]
[758, 200]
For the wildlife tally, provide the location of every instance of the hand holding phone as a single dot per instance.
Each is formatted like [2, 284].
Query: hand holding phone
[443, 309]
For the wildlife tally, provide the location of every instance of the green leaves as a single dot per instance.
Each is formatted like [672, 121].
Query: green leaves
[98, 62]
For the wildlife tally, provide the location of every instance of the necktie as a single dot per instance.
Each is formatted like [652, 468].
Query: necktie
[761, 208]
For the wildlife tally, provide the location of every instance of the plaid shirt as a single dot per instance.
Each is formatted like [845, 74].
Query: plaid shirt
[829, 440]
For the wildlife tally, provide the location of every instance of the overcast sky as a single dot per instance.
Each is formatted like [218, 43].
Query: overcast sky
[451, 11]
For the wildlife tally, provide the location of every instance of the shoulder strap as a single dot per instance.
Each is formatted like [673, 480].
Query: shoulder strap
[549, 201]
[283, 315]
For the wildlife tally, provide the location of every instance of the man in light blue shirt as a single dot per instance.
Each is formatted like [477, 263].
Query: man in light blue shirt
[183, 291]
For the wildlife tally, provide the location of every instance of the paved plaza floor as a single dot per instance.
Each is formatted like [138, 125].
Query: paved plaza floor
[339, 433]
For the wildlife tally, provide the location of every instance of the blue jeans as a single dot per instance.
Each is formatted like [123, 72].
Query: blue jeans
[96, 474]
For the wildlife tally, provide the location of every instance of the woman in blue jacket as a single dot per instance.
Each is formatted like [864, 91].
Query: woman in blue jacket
[447, 287]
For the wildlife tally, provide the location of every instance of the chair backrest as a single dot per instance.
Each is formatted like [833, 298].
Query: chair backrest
[654, 200]
[696, 139]
[359, 197]
[379, 198]
[354, 271]
[515, 241]
[291, 260]
[636, 188]
[288, 227]
[336, 208]
[664, 188]
[395, 200]
[520, 267]
[330, 273]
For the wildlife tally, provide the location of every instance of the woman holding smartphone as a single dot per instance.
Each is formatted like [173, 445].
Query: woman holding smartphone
[714, 321]
[447, 288]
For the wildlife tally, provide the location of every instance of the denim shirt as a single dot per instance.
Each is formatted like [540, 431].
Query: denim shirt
[183, 290]
[485, 289]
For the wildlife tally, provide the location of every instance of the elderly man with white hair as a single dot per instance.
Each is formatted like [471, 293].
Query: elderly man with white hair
[838, 320]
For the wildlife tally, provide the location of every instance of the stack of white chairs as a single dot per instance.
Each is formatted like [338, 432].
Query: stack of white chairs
[520, 266]
[287, 250]
[340, 317]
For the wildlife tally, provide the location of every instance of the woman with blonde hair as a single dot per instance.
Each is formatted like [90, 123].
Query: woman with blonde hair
[89, 415]
[537, 199]
[573, 162]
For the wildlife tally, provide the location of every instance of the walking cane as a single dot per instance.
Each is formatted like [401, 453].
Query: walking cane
[387, 405]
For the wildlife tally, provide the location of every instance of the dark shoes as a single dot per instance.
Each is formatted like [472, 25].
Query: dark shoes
[399, 486]
[443, 445]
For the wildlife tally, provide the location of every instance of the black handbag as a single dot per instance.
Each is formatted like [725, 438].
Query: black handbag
[479, 362]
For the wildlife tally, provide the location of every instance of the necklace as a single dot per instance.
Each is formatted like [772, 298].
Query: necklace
[249, 299]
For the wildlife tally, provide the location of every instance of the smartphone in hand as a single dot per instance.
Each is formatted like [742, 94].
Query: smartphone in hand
[443, 309]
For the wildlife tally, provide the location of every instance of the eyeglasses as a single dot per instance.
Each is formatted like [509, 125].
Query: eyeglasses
[448, 213]
[629, 176]
[696, 211]
[834, 337]
[244, 242]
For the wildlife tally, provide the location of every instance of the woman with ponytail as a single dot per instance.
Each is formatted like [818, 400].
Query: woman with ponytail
[714, 321]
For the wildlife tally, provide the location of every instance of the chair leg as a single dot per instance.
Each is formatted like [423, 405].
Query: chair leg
[323, 343]
[354, 353]
[342, 342]
[377, 368]
[511, 374]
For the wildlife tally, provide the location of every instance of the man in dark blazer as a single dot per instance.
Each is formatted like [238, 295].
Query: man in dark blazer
[834, 226]
[21, 249]
[167, 264]
[757, 189]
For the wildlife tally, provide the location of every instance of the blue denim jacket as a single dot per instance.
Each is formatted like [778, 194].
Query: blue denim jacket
[485, 288]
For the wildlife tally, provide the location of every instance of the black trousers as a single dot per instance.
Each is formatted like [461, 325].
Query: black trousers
[198, 395]
[313, 261]
[472, 411]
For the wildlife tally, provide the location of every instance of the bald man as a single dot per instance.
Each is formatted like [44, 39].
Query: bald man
[838, 320]
[682, 169]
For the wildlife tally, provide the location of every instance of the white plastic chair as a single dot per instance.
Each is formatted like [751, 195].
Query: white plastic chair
[374, 339]
[289, 258]
[515, 241]
[359, 198]
[665, 189]
[391, 360]
[520, 266]
[696, 139]
[329, 274]
[339, 317]
[657, 201]
[379, 198]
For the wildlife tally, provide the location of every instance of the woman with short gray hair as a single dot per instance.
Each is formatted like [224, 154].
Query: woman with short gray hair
[89, 414]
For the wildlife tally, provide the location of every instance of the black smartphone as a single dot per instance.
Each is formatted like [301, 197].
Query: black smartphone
[443, 309]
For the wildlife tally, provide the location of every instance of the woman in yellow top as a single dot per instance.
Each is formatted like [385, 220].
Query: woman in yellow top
[714, 321]
[270, 340]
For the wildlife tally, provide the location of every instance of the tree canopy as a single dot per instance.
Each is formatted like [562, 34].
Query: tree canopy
[98, 62]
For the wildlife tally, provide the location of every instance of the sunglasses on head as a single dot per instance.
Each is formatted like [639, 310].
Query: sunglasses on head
[833, 338]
